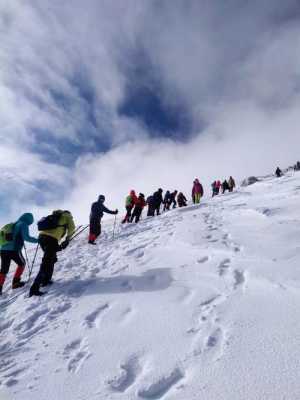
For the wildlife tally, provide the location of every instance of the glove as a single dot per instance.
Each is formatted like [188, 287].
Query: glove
[116, 212]
[64, 244]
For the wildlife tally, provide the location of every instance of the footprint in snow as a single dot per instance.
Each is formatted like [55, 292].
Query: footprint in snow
[93, 319]
[214, 338]
[208, 318]
[209, 301]
[10, 377]
[58, 310]
[137, 251]
[186, 296]
[212, 228]
[158, 389]
[32, 324]
[77, 353]
[126, 314]
[126, 376]
[239, 278]
[10, 382]
[223, 266]
[216, 343]
[202, 260]
[232, 245]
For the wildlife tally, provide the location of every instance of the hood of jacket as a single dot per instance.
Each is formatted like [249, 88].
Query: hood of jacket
[26, 218]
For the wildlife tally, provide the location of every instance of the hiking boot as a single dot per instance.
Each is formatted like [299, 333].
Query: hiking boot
[36, 292]
[91, 242]
[16, 284]
[46, 283]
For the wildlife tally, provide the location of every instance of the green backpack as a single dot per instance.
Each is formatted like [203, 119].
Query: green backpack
[128, 201]
[7, 234]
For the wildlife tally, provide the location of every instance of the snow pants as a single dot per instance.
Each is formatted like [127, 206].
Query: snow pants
[137, 212]
[150, 212]
[167, 205]
[215, 192]
[157, 209]
[95, 229]
[6, 258]
[50, 247]
[127, 217]
[197, 198]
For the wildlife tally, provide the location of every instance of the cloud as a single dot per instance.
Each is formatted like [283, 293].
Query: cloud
[107, 96]
[26, 180]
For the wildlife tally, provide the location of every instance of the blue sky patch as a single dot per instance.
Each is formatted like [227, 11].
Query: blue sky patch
[145, 100]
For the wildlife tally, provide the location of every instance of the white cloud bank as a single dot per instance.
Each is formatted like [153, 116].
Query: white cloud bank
[235, 67]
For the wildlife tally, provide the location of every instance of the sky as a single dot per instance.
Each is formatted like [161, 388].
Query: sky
[101, 97]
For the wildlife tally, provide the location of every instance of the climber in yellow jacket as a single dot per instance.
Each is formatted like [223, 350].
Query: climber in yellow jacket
[53, 228]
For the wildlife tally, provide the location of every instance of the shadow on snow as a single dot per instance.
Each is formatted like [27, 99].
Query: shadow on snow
[151, 280]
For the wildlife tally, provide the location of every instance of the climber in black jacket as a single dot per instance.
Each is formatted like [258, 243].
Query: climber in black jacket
[97, 210]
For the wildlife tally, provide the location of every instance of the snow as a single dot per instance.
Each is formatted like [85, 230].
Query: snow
[199, 303]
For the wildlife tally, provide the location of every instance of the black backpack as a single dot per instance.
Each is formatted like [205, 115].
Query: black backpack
[50, 222]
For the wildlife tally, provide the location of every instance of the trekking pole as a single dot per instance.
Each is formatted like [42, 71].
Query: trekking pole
[77, 229]
[26, 256]
[33, 262]
[115, 221]
[79, 232]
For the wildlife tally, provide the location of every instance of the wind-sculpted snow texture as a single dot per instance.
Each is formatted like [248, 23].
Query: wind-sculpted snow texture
[199, 303]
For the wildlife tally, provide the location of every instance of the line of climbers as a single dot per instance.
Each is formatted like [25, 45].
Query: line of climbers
[134, 204]
[297, 166]
[217, 186]
[57, 229]
[279, 172]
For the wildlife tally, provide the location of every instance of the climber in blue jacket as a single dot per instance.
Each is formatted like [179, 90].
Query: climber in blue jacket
[11, 250]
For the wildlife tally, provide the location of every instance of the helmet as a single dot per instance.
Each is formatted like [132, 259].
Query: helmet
[101, 198]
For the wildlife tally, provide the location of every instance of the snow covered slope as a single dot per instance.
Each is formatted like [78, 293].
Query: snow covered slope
[200, 303]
